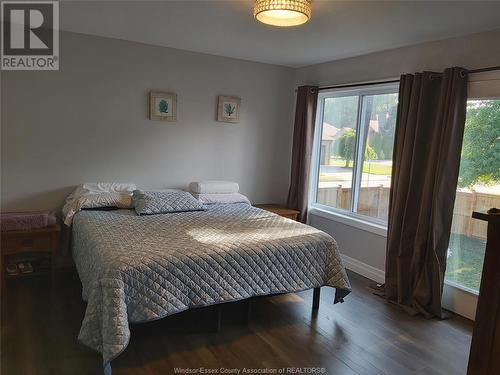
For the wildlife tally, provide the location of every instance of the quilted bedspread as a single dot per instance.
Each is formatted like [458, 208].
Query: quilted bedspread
[142, 268]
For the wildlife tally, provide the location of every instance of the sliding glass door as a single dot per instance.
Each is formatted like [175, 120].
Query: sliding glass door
[478, 190]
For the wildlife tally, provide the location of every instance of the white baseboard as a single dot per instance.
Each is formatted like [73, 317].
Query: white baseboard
[364, 269]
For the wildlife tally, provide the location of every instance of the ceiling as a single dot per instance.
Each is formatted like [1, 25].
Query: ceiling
[337, 29]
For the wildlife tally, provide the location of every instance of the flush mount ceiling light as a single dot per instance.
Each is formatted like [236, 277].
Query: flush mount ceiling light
[282, 12]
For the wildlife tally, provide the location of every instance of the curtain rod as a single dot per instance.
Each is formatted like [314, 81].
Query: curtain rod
[321, 88]
[488, 69]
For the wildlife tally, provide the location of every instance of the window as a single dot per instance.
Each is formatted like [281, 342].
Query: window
[352, 160]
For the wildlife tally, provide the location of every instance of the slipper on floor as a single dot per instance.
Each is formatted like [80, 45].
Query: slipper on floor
[12, 269]
[25, 267]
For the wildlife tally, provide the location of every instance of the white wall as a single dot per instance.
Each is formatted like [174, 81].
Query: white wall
[472, 51]
[362, 251]
[367, 249]
[88, 122]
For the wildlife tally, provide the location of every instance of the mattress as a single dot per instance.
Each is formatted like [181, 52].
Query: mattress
[142, 268]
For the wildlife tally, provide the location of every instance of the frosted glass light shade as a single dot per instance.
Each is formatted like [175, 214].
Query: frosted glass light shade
[282, 12]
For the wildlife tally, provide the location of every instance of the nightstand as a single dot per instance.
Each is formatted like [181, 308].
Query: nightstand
[280, 210]
[33, 241]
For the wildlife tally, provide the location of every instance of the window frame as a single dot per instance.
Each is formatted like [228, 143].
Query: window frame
[356, 219]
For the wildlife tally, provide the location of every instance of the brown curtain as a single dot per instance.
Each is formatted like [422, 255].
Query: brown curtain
[303, 135]
[426, 160]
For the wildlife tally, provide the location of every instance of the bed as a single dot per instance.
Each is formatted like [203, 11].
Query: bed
[141, 268]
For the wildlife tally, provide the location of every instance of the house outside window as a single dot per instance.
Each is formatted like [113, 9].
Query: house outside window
[352, 160]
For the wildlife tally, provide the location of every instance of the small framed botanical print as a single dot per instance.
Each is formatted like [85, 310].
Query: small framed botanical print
[229, 109]
[162, 106]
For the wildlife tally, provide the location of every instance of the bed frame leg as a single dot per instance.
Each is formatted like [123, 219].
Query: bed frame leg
[316, 295]
[246, 312]
[216, 319]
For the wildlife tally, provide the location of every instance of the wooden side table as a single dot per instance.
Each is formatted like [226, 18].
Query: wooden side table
[15, 242]
[280, 210]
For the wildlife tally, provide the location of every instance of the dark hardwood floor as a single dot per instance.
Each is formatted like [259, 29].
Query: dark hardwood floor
[364, 335]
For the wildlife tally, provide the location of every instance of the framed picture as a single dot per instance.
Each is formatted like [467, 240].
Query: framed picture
[162, 106]
[228, 109]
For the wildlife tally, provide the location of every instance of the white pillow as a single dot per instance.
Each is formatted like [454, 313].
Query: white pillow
[221, 198]
[95, 195]
[103, 187]
[213, 187]
[118, 200]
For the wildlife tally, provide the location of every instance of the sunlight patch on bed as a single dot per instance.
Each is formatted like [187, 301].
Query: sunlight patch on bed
[211, 235]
